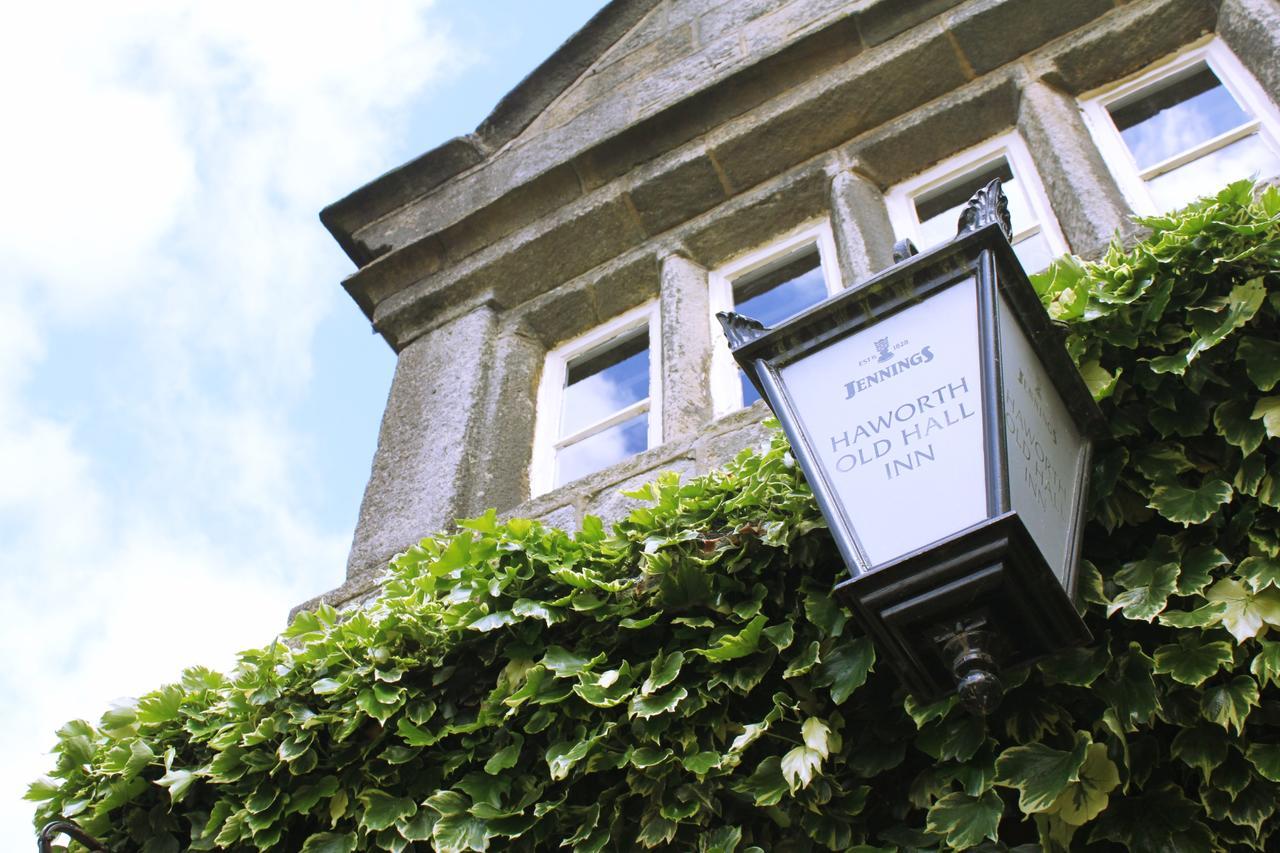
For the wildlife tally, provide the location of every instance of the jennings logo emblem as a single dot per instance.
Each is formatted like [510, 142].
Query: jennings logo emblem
[894, 363]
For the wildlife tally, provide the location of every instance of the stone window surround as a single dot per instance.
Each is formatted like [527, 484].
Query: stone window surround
[1224, 64]
[550, 398]
[1010, 146]
[726, 390]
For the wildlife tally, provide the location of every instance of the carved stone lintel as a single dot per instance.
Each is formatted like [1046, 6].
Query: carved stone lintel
[904, 249]
[740, 329]
[987, 205]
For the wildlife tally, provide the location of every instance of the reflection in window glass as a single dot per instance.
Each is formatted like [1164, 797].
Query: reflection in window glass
[776, 292]
[1177, 115]
[605, 382]
[1190, 135]
[602, 449]
[1213, 171]
[938, 212]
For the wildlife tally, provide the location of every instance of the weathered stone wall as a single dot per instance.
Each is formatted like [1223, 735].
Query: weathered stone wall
[701, 130]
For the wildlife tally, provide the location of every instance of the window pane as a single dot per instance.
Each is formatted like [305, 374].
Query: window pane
[601, 383]
[1210, 173]
[1033, 252]
[938, 210]
[780, 290]
[602, 449]
[1177, 115]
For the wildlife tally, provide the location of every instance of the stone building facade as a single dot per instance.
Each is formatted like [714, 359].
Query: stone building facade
[673, 150]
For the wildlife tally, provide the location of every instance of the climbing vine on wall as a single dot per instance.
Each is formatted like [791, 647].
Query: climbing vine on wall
[687, 680]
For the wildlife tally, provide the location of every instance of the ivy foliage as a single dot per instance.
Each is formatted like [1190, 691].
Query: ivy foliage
[687, 681]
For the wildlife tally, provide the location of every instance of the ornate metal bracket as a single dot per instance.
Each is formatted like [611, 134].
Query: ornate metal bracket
[987, 205]
[740, 329]
[55, 828]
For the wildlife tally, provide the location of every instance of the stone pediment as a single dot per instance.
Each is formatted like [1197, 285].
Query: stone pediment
[633, 60]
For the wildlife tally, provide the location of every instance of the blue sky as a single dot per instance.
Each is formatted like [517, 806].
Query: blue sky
[188, 400]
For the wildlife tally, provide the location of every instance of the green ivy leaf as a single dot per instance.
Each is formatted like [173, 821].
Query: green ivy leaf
[1158, 819]
[493, 621]
[1100, 383]
[1191, 506]
[662, 672]
[382, 810]
[723, 839]
[1243, 302]
[657, 831]
[1196, 571]
[1192, 659]
[845, 668]
[1086, 796]
[1077, 666]
[659, 703]
[803, 662]
[964, 820]
[734, 646]
[1148, 585]
[1229, 703]
[457, 832]
[1259, 572]
[1129, 688]
[505, 758]
[824, 612]
[563, 755]
[178, 782]
[1261, 359]
[1204, 616]
[1235, 423]
[766, 785]
[1265, 758]
[1266, 664]
[330, 842]
[1268, 410]
[1203, 747]
[1039, 772]
[564, 663]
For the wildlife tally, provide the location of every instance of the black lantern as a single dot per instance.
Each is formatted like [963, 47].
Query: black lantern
[946, 435]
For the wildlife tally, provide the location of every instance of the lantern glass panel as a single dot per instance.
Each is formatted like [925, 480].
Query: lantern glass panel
[1046, 452]
[895, 413]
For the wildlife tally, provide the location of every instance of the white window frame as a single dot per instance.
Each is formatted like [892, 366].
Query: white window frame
[546, 440]
[726, 388]
[900, 199]
[1230, 72]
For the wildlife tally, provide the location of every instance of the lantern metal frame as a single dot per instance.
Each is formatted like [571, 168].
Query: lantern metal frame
[953, 613]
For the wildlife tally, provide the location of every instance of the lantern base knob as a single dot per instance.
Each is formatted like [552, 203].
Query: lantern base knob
[974, 666]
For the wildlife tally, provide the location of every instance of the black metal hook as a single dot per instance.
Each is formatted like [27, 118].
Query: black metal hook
[55, 828]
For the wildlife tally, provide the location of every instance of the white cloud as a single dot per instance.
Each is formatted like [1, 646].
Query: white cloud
[162, 168]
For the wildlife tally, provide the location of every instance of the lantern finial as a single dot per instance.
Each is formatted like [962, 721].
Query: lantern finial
[973, 663]
[987, 205]
[739, 328]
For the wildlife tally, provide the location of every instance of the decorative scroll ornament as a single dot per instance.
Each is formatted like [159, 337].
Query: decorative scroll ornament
[987, 205]
[904, 249]
[740, 329]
